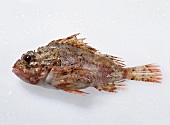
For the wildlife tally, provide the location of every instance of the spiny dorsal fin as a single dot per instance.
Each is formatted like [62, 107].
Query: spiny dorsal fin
[73, 41]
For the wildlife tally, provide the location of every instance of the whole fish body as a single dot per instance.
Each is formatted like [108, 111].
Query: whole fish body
[70, 64]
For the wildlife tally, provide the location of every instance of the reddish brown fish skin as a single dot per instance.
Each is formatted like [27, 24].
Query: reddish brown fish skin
[72, 53]
[26, 76]
[38, 68]
[70, 64]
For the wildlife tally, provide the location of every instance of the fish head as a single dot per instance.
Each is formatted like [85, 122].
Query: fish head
[30, 68]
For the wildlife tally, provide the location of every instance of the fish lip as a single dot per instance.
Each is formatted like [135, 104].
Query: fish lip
[17, 70]
[23, 75]
[14, 69]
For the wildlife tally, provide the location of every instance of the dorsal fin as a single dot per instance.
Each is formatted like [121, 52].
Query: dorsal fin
[116, 60]
[100, 59]
[73, 41]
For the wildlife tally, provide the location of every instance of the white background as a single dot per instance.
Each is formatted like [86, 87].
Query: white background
[136, 30]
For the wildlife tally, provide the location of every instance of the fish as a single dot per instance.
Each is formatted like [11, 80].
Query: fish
[70, 64]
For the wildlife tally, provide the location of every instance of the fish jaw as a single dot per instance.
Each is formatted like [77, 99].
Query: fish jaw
[24, 75]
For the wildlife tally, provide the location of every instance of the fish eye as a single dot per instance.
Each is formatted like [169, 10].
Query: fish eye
[27, 58]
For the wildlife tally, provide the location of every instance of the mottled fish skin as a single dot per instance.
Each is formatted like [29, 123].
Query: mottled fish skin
[70, 64]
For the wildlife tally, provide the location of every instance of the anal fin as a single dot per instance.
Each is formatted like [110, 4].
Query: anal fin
[111, 87]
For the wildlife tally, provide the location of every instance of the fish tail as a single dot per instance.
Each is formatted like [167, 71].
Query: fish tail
[147, 73]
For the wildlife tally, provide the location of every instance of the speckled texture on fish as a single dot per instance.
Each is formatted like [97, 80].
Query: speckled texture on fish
[70, 64]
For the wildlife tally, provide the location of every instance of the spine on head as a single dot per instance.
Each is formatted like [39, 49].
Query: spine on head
[147, 73]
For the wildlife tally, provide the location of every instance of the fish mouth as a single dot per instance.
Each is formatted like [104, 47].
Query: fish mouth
[24, 75]
[21, 74]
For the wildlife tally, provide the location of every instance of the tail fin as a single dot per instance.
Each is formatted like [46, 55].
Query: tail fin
[147, 73]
